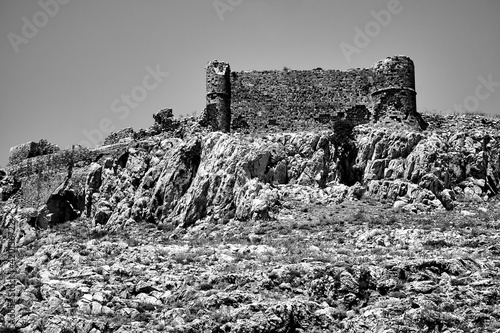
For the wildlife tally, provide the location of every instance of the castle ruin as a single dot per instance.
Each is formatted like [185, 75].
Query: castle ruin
[305, 99]
[247, 101]
[263, 101]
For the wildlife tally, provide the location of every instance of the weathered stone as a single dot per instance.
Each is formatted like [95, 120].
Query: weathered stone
[399, 204]
[164, 120]
[9, 186]
[471, 195]
[259, 209]
[218, 83]
[22, 152]
[123, 135]
[102, 215]
[447, 198]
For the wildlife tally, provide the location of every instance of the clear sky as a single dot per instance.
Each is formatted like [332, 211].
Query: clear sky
[71, 67]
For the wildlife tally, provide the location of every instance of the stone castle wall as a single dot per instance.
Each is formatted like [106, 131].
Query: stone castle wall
[218, 96]
[42, 175]
[61, 160]
[298, 99]
[301, 99]
[268, 100]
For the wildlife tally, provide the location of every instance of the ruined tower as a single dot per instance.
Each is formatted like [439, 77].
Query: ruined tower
[291, 100]
[393, 93]
[219, 95]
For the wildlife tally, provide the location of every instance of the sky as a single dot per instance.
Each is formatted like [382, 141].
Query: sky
[71, 71]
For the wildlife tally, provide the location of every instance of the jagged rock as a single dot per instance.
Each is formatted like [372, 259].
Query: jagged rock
[17, 226]
[248, 242]
[175, 180]
[9, 186]
[102, 216]
[399, 204]
[144, 287]
[259, 209]
[123, 135]
[447, 198]
[164, 119]
[472, 194]
[63, 205]
[279, 173]
[356, 191]
[179, 181]
[92, 184]
[103, 213]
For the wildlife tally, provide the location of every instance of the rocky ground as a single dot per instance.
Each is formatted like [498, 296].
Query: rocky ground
[359, 266]
[183, 230]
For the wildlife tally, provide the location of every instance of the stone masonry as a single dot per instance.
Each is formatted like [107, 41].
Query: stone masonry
[306, 99]
[218, 111]
[258, 101]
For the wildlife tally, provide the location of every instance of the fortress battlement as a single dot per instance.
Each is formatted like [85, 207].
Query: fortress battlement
[304, 99]
[271, 100]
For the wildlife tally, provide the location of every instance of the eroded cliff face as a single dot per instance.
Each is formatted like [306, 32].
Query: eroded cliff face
[433, 168]
[178, 180]
[178, 229]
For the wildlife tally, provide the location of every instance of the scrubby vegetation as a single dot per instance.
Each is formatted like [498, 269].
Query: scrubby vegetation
[354, 267]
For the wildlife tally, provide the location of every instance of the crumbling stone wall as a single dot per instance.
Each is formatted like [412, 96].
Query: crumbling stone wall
[218, 111]
[292, 99]
[393, 94]
[31, 149]
[301, 99]
[122, 135]
[42, 175]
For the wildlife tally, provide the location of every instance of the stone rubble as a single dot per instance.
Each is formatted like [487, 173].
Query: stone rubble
[204, 279]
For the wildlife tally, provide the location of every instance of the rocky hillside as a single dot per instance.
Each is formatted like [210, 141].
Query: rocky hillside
[177, 228]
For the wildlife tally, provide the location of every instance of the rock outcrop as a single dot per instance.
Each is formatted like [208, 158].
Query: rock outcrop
[179, 177]
[141, 206]
[338, 275]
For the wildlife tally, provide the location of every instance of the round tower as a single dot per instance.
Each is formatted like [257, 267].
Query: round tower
[394, 96]
[218, 111]
[396, 71]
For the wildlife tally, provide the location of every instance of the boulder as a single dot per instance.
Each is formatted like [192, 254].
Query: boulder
[102, 215]
[164, 119]
[399, 204]
[447, 198]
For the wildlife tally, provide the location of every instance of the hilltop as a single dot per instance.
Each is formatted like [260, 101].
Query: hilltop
[182, 229]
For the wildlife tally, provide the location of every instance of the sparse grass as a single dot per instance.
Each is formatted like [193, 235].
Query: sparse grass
[132, 242]
[9, 330]
[344, 251]
[439, 243]
[185, 258]
[391, 220]
[166, 227]
[241, 256]
[359, 217]
[320, 237]
[294, 273]
[231, 268]
[379, 250]
[222, 315]
[191, 256]
[98, 233]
